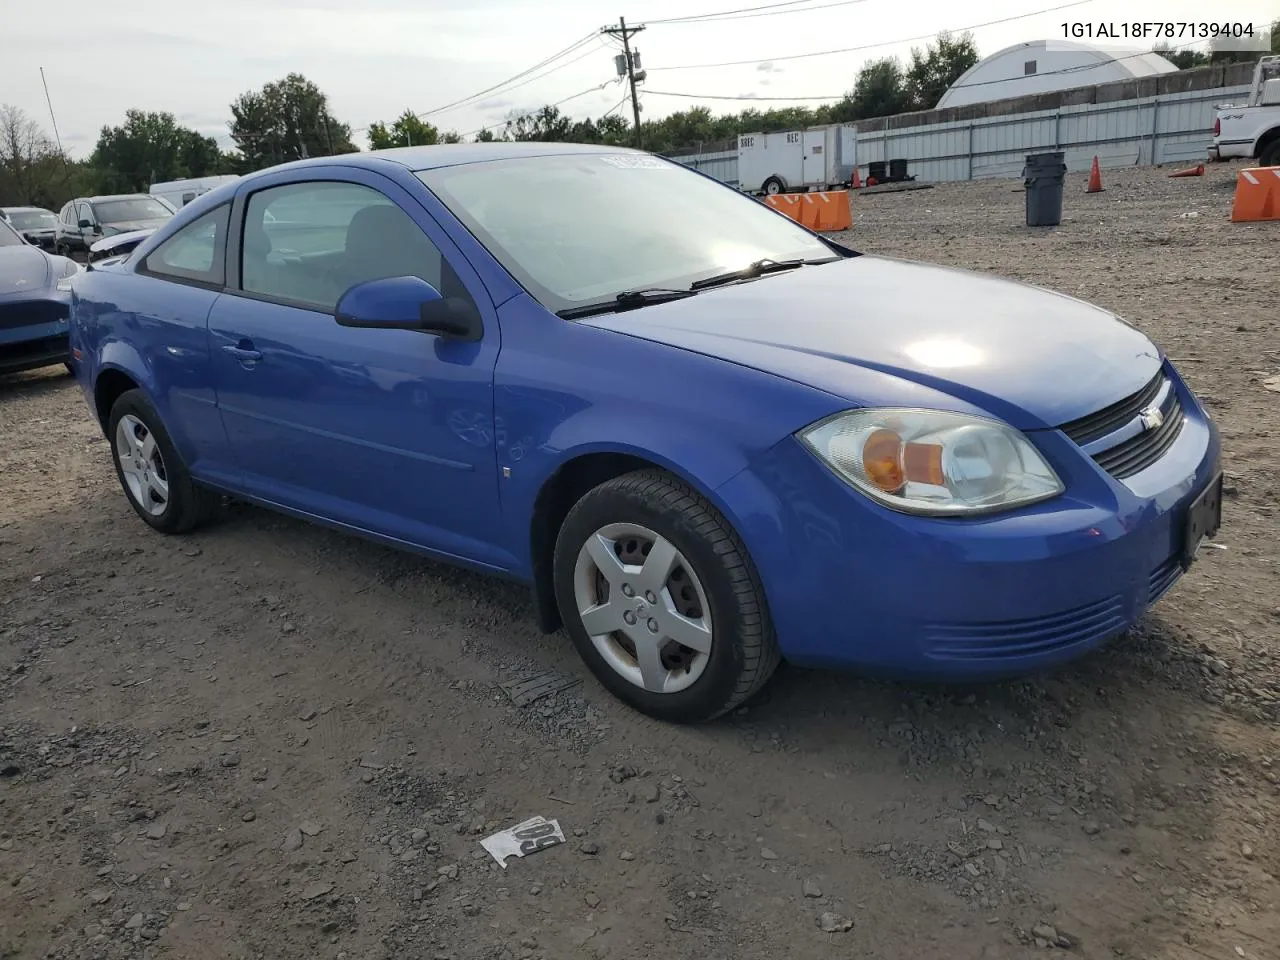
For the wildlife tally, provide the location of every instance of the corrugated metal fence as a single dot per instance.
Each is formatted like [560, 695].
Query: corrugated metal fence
[1170, 128]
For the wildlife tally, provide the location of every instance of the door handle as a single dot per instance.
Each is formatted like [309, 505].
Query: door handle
[243, 354]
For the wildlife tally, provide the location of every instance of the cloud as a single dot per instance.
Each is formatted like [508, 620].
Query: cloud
[768, 66]
[497, 103]
[764, 83]
[750, 95]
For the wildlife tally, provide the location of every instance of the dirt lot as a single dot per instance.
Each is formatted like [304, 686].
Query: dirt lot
[267, 740]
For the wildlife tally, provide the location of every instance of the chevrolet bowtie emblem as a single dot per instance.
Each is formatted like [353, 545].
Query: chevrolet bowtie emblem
[1151, 418]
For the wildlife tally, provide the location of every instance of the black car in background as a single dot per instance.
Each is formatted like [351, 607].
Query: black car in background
[36, 224]
[84, 221]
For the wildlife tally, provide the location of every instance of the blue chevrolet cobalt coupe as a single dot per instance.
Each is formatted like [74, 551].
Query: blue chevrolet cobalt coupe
[707, 438]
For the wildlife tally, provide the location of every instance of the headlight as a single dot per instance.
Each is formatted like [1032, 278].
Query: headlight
[933, 462]
[68, 274]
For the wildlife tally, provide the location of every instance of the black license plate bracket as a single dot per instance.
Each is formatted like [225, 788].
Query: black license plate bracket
[1204, 517]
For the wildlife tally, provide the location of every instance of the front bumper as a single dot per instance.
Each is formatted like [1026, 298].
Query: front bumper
[853, 584]
[33, 333]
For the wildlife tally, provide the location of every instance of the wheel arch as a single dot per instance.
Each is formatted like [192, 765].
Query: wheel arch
[107, 388]
[1267, 138]
[565, 486]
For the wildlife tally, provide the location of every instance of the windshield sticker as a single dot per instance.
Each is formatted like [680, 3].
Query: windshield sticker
[636, 163]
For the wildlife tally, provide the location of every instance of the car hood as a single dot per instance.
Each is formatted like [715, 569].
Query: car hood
[124, 226]
[878, 330]
[22, 270]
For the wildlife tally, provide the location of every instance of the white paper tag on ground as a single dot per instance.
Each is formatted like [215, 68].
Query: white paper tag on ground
[536, 833]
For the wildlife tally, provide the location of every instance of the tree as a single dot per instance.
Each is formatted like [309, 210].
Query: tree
[547, 124]
[1182, 59]
[451, 136]
[879, 91]
[406, 131]
[286, 120]
[485, 136]
[938, 67]
[149, 147]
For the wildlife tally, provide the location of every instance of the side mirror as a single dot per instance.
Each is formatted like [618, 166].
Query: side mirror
[86, 224]
[408, 303]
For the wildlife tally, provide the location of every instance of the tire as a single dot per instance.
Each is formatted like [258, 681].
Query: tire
[772, 187]
[185, 504]
[707, 571]
[1270, 154]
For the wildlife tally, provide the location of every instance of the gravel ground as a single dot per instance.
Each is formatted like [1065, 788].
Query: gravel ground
[269, 741]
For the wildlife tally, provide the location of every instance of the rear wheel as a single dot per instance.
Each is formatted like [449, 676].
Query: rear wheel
[1270, 155]
[661, 599]
[154, 478]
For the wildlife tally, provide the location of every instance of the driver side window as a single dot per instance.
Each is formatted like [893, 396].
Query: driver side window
[308, 243]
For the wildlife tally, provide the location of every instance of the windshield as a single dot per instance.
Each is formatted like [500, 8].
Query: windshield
[128, 209]
[581, 229]
[8, 238]
[32, 219]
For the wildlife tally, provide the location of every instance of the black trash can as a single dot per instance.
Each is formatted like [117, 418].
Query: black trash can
[876, 168]
[1044, 176]
[897, 170]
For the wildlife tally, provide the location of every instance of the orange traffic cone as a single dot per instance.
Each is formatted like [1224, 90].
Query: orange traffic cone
[856, 182]
[1196, 171]
[1095, 178]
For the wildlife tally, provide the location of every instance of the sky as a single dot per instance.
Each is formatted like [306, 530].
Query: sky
[376, 60]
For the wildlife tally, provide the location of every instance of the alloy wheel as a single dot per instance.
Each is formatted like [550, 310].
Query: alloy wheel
[142, 465]
[643, 607]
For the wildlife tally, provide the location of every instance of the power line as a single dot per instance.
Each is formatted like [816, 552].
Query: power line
[724, 13]
[712, 96]
[1079, 68]
[872, 46]
[572, 96]
[752, 16]
[523, 73]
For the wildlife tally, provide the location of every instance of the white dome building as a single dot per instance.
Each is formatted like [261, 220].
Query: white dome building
[1043, 66]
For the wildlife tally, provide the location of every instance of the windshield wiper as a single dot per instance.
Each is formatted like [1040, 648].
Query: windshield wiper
[627, 300]
[753, 270]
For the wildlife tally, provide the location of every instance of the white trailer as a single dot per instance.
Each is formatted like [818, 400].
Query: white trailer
[178, 193]
[795, 161]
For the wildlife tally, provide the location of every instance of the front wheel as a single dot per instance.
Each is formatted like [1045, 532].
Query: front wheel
[772, 187]
[661, 600]
[154, 478]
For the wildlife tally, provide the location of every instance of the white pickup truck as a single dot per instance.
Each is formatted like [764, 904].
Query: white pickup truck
[1252, 130]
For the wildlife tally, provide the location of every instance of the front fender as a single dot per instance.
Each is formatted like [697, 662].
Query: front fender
[565, 390]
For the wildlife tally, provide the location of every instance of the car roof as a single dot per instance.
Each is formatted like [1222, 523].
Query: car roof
[448, 155]
[24, 209]
[112, 196]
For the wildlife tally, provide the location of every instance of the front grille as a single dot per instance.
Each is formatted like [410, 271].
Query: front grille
[1020, 638]
[1089, 428]
[1131, 456]
[29, 313]
[1137, 453]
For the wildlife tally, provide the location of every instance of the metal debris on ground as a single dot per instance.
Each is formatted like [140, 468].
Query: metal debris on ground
[536, 833]
[534, 686]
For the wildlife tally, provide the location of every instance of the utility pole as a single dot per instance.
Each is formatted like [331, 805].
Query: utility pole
[629, 63]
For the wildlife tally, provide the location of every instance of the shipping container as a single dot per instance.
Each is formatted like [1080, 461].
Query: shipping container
[792, 161]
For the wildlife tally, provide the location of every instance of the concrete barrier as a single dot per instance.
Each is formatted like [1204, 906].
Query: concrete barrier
[823, 211]
[1257, 195]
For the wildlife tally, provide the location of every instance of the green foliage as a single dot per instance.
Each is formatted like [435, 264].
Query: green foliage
[407, 131]
[150, 147]
[286, 120]
[935, 69]
[880, 91]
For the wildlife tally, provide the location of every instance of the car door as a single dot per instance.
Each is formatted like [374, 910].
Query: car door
[88, 234]
[388, 431]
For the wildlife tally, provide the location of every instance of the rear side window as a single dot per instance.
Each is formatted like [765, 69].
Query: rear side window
[195, 254]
